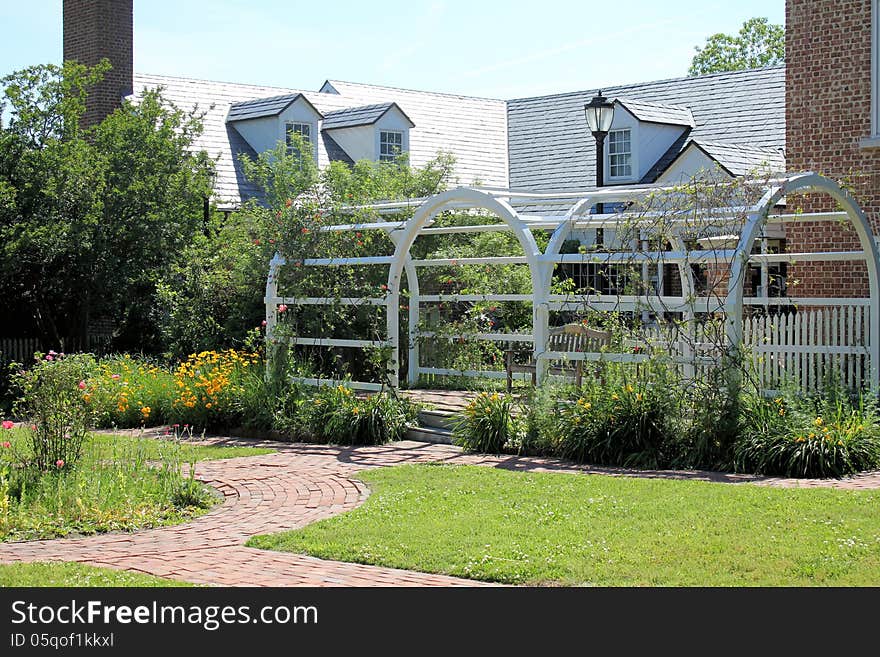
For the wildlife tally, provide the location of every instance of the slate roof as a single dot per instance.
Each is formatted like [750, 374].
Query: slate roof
[551, 149]
[473, 129]
[357, 116]
[656, 113]
[255, 109]
[739, 160]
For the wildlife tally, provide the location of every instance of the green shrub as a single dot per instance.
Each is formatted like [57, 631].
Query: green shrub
[52, 403]
[339, 416]
[808, 436]
[488, 424]
[623, 419]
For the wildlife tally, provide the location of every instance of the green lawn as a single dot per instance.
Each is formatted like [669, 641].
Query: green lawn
[75, 574]
[155, 448]
[121, 483]
[530, 528]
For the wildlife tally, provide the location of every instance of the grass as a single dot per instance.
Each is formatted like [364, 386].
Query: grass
[536, 528]
[121, 483]
[76, 574]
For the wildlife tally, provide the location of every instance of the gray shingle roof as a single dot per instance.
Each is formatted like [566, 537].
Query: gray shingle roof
[355, 116]
[656, 113]
[473, 129]
[255, 109]
[740, 160]
[550, 147]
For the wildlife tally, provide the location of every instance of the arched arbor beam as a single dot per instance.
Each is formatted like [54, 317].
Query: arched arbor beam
[755, 221]
[427, 211]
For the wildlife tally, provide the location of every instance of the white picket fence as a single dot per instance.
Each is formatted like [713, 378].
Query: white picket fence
[801, 348]
[808, 346]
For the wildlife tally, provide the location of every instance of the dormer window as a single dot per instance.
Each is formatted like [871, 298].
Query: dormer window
[390, 145]
[302, 129]
[620, 153]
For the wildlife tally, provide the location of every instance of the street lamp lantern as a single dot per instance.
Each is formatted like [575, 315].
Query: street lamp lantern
[600, 114]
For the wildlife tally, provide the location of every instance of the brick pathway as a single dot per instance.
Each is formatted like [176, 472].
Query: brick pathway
[291, 488]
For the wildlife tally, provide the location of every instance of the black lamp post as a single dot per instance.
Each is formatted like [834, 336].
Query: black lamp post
[600, 114]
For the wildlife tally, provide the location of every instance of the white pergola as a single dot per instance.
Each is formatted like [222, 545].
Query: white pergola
[563, 213]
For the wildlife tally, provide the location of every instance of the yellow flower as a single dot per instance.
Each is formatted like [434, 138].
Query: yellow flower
[355, 410]
[615, 397]
[145, 411]
[818, 421]
[495, 397]
[628, 388]
[638, 396]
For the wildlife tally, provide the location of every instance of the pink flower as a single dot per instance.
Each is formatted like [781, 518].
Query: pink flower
[305, 231]
[257, 242]
[7, 444]
[82, 385]
[114, 376]
[49, 357]
[282, 308]
[176, 426]
[384, 287]
[33, 427]
[263, 323]
[53, 353]
[8, 424]
[59, 463]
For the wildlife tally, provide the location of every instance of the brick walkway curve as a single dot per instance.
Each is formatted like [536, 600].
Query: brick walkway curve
[293, 487]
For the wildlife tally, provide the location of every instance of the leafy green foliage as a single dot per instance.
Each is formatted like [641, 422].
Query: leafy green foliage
[808, 436]
[488, 424]
[758, 43]
[52, 403]
[91, 217]
[336, 415]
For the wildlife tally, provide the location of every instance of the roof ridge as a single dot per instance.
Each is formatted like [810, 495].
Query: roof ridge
[418, 91]
[288, 90]
[607, 89]
[360, 107]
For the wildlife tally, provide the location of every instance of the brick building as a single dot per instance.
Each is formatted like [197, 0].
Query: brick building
[832, 128]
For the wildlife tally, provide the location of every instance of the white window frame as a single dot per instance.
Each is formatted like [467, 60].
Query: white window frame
[609, 155]
[386, 157]
[290, 126]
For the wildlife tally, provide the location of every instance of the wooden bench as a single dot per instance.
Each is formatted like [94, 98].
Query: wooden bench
[571, 337]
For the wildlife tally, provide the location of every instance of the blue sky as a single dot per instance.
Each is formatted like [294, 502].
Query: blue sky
[492, 48]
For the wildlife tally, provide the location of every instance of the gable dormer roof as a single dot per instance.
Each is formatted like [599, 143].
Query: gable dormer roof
[351, 117]
[262, 107]
[657, 113]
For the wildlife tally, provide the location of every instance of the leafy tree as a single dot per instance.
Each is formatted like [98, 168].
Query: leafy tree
[758, 43]
[90, 217]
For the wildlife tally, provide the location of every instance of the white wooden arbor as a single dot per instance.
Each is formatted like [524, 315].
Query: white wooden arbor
[563, 213]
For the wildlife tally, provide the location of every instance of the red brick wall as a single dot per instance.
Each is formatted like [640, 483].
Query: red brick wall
[828, 112]
[94, 29]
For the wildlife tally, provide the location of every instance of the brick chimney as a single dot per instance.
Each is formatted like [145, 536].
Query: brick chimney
[93, 30]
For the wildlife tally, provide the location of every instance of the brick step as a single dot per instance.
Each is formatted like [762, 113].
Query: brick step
[430, 435]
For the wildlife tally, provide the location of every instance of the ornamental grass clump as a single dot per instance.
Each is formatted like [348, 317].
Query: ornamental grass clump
[335, 414]
[623, 419]
[792, 435]
[54, 409]
[488, 424]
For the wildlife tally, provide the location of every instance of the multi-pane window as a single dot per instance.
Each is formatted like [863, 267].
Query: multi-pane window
[302, 129]
[390, 145]
[620, 153]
